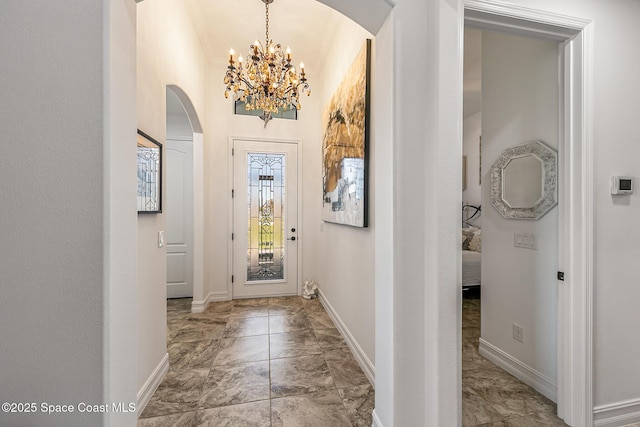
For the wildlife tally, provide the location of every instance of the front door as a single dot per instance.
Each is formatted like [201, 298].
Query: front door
[265, 219]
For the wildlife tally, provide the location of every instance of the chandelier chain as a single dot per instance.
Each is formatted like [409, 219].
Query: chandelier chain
[267, 22]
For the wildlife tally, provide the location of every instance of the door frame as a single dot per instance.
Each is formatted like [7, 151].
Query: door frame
[230, 216]
[575, 294]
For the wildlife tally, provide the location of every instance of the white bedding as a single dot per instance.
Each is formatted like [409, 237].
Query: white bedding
[470, 268]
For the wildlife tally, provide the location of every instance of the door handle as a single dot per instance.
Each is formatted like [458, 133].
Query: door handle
[292, 238]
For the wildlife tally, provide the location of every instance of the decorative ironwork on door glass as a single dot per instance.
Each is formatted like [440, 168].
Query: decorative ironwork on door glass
[266, 228]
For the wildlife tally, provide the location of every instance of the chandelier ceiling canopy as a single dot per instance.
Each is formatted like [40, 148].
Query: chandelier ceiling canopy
[267, 81]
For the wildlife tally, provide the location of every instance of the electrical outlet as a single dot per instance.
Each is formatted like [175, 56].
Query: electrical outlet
[518, 333]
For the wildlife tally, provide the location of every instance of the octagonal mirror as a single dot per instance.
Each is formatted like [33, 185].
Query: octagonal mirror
[524, 181]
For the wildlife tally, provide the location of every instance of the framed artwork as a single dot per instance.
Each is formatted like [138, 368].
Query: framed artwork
[345, 146]
[149, 174]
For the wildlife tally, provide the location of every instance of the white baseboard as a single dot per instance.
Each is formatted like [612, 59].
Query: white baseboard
[364, 362]
[523, 372]
[150, 386]
[376, 421]
[201, 306]
[617, 414]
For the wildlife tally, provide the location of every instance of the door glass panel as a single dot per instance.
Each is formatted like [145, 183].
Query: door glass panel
[265, 236]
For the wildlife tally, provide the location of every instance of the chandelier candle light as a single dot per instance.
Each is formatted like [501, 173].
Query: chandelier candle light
[267, 81]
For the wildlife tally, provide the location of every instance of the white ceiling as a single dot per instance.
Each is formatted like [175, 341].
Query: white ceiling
[307, 26]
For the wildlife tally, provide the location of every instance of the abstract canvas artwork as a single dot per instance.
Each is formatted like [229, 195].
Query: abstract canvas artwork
[345, 145]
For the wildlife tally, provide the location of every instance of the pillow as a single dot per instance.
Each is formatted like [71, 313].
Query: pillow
[475, 243]
[467, 234]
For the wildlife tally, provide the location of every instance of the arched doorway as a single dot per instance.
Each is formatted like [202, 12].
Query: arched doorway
[184, 140]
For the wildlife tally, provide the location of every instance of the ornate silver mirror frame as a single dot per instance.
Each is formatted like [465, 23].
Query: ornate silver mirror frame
[546, 197]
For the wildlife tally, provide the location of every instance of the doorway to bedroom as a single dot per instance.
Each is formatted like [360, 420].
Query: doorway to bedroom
[510, 306]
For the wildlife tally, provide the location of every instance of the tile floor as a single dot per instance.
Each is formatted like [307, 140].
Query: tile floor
[258, 362]
[490, 396]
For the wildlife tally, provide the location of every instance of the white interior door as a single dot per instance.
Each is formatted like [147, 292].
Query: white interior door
[265, 230]
[179, 212]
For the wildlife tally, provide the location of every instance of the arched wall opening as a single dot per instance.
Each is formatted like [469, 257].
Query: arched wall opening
[198, 192]
[196, 222]
[189, 109]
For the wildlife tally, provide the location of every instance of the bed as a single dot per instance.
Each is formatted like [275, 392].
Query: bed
[471, 247]
[470, 268]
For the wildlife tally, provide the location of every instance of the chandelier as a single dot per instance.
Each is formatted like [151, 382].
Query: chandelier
[267, 81]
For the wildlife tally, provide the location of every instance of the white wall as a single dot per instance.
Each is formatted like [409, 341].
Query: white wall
[472, 123]
[519, 104]
[427, 141]
[120, 294]
[169, 52]
[472, 130]
[64, 213]
[472, 80]
[345, 268]
[616, 289]
[383, 251]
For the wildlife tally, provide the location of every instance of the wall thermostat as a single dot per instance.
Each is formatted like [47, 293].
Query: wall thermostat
[621, 185]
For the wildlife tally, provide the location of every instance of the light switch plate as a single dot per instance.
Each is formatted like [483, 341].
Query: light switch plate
[526, 240]
[160, 239]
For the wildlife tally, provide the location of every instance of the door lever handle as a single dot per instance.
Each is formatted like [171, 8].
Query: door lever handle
[291, 238]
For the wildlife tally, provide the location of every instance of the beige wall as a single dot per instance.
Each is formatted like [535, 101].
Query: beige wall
[344, 265]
